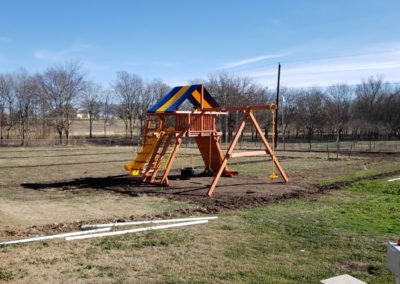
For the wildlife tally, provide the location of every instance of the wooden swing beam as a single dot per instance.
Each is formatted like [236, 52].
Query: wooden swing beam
[229, 153]
[242, 108]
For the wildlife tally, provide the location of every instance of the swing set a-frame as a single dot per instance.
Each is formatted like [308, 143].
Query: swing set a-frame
[154, 160]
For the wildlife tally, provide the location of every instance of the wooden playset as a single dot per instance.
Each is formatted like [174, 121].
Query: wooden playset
[200, 124]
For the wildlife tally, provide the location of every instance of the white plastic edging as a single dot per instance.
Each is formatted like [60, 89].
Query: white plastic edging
[58, 236]
[117, 224]
[123, 232]
[393, 179]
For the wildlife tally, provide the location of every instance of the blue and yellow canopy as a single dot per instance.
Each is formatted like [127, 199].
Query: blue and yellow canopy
[178, 95]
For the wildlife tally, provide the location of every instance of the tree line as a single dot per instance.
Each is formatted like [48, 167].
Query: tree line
[367, 111]
[44, 104]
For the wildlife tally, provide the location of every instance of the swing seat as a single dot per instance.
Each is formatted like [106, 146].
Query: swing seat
[273, 176]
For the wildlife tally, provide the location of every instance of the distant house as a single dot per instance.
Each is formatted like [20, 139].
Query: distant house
[81, 114]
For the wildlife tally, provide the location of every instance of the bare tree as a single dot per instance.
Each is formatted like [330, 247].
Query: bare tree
[232, 90]
[337, 110]
[62, 85]
[26, 94]
[391, 113]
[153, 92]
[289, 108]
[44, 109]
[311, 112]
[129, 88]
[367, 105]
[91, 103]
[106, 108]
[5, 95]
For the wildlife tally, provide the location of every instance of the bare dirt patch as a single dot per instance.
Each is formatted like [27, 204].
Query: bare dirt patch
[92, 190]
[231, 193]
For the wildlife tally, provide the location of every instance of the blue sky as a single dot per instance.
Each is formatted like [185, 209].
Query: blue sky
[317, 42]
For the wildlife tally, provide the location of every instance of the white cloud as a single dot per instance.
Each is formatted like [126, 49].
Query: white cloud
[383, 59]
[4, 39]
[62, 55]
[250, 60]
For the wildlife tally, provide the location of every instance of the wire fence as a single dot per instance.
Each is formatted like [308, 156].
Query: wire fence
[380, 146]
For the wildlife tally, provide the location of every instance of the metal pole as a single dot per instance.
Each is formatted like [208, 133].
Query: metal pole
[283, 123]
[277, 104]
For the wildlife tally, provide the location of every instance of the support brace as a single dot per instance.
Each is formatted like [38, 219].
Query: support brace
[229, 153]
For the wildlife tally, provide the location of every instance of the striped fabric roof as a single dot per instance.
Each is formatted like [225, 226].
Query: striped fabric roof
[178, 95]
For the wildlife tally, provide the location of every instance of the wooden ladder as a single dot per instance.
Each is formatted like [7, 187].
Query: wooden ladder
[159, 153]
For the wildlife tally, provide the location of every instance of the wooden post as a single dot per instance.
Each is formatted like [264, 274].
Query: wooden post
[201, 107]
[227, 155]
[266, 145]
[164, 179]
[188, 123]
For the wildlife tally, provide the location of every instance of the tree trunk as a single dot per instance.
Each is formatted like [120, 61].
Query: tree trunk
[22, 133]
[60, 136]
[44, 126]
[1, 127]
[67, 136]
[130, 128]
[337, 144]
[90, 125]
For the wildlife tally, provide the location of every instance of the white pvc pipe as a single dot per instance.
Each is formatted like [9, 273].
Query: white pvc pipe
[123, 232]
[393, 179]
[58, 236]
[117, 224]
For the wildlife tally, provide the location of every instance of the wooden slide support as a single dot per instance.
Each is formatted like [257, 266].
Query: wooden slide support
[164, 178]
[229, 153]
[211, 153]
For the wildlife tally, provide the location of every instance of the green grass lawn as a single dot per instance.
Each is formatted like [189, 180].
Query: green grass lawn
[306, 240]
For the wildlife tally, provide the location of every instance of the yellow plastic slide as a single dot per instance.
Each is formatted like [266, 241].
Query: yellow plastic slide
[136, 166]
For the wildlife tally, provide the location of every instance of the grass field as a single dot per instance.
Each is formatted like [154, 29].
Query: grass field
[299, 240]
